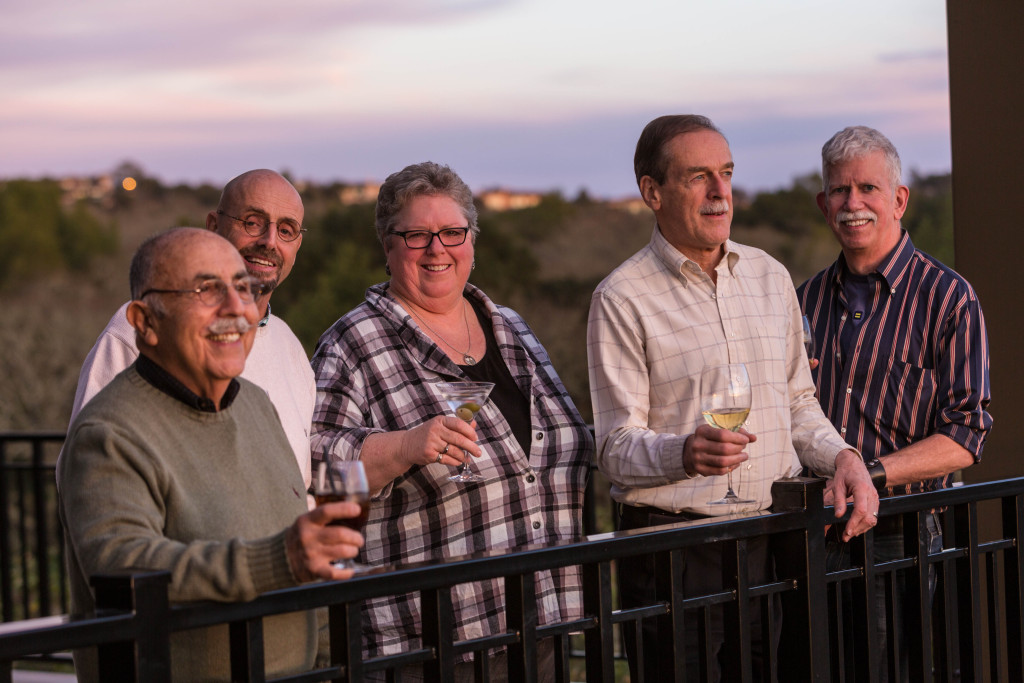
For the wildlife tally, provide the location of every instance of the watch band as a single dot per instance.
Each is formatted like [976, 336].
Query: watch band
[877, 472]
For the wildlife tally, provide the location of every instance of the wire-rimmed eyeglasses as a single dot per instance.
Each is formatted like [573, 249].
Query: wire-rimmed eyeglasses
[212, 292]
[421, 239]
[256, 226]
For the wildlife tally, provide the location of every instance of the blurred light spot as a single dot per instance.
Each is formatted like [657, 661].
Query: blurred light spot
[128, 183]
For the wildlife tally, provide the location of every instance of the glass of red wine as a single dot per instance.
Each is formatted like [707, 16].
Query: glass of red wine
[344, 480]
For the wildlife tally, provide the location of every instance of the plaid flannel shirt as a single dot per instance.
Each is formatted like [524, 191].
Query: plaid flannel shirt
[376, 372]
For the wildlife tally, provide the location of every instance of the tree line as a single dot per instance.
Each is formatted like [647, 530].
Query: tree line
[63, 266]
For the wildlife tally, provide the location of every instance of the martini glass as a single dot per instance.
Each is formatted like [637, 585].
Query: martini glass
[465, 400]
[725, 403]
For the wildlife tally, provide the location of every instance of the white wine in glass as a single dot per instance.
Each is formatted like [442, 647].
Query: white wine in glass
[466, 400]
[725, 404]
[344, 480]
[808, 338]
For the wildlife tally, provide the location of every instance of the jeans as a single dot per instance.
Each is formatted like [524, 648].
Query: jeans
[888, 540]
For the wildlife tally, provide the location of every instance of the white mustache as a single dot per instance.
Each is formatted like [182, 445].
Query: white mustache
[230, 324]
[865, 215]
[715, 207]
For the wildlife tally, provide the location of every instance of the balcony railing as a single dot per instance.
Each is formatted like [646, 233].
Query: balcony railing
[972, 630]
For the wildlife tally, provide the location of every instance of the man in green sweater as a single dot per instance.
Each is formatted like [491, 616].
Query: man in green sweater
[177, 464]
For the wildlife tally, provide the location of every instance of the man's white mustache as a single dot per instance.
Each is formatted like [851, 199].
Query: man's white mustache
[844, 216]
[230, 324]
[715, 207]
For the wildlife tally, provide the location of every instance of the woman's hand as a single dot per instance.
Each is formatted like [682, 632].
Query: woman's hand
[444, 439]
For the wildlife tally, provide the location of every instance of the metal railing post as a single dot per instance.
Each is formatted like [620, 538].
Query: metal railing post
[800, 558]
[147, 658]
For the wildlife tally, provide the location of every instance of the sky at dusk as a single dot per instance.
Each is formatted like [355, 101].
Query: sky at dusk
[526, 94]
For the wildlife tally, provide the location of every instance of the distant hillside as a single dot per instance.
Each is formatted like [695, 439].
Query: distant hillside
[65, 252]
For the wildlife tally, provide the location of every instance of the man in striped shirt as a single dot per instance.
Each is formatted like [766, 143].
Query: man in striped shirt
[902, 367]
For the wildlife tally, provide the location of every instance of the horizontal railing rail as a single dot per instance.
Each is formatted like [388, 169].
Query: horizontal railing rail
[972, 630]
[979, 580]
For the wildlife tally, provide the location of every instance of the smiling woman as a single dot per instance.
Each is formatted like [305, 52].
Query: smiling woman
[382, 375]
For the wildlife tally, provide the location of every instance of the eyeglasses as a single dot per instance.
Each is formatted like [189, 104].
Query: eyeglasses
[421, 239]
[257, 226]
[213, 292]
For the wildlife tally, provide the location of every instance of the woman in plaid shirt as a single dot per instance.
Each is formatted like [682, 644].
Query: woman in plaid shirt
[377, 371]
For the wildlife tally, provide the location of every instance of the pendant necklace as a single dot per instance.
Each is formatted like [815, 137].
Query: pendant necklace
[466, 358]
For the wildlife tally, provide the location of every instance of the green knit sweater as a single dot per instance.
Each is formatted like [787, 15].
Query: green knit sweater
[148, 482]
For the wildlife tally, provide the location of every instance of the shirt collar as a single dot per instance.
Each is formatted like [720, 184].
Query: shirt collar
[167, 383]
[892, 267]
[678, 262]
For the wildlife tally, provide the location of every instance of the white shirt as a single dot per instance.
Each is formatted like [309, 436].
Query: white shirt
[655, 322]
[277, 363]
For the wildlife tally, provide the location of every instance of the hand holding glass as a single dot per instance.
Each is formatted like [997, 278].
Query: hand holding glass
[344, 480]
[466, 399]
[725, 403]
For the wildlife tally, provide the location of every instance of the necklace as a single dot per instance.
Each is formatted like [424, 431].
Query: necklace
[466, 358]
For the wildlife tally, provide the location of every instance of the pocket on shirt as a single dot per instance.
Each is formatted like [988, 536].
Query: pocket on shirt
[909, 394]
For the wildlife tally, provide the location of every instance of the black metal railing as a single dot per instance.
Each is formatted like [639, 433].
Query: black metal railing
[971, 631]
[33, 576]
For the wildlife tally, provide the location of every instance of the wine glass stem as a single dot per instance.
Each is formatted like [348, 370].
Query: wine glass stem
[731, 493]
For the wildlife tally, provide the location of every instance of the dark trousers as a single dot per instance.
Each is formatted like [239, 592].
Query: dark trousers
[888, 537]
[702, 574]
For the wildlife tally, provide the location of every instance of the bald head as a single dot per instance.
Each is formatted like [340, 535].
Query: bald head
[253, 201]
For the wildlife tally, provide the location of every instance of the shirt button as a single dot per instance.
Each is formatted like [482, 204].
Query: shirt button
[849, 390]
[530, 479]
[536, 525]
[892, 291]
[844, 317]
[714, 296]
[749, 466]
[539, 436]
[843, 430]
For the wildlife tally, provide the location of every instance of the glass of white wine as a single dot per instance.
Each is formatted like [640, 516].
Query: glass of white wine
[808, 338]
[725, 403]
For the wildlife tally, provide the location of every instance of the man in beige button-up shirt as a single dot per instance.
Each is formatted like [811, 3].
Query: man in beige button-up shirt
[692, 298]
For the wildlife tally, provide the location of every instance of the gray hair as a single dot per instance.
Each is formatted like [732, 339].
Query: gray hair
[649, 158]
[854, 142]
[418, 180]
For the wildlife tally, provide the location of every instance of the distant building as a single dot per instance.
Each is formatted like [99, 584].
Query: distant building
[365, 193]
[92, 187]
[506, 200]
[634, 205]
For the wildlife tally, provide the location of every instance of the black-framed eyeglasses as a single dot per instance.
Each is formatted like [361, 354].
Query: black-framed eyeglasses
[213, 292]
[257, 226]
[421, 239]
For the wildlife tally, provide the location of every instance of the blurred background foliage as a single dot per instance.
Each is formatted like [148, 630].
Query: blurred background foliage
[64, 265]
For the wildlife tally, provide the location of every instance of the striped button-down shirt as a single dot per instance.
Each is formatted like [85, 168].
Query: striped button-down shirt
[915, 365]
[655, 323]
[376, 371]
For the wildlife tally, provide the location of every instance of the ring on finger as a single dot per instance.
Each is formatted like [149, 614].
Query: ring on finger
[445, 451]
[440, 455]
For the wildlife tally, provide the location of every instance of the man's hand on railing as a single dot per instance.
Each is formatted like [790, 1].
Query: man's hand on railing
[313, 543]
[853, 483]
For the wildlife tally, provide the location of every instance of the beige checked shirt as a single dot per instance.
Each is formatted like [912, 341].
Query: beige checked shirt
[655, 322]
